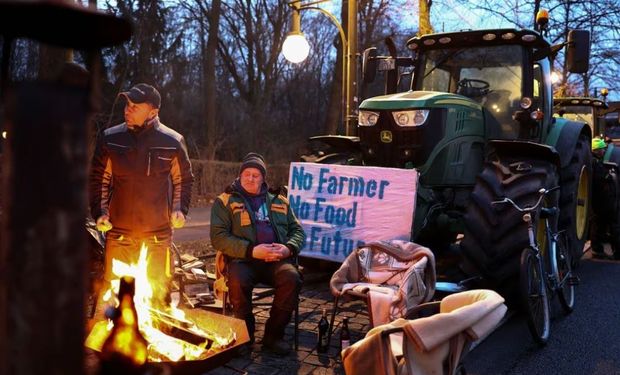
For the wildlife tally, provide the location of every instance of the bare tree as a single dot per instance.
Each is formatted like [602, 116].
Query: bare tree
[254, 32]
[564, 16]
[208, 23]
[209, 77]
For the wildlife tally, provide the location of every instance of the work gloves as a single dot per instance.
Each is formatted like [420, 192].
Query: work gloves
[103, 223]
[177, 220]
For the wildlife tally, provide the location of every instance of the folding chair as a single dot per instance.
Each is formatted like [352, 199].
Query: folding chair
[220, 288]
[390, 276]
[436, 344]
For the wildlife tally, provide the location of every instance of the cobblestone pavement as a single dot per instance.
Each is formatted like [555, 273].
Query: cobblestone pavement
[314, 297]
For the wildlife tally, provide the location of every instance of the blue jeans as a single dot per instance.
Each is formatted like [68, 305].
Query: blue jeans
[243, 275]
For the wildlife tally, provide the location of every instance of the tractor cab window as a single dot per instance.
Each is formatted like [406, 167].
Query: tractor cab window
[579, 113]
[538, 88]
[612, 126]
[490, 76]
[436, 78]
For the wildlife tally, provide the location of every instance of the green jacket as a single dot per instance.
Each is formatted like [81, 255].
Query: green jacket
[232, 225]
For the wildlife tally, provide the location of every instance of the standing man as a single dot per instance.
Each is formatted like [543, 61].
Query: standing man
[606, 219]
[140, 188]
[260, 235]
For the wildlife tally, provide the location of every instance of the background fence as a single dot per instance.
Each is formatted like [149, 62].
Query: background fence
[211, 177]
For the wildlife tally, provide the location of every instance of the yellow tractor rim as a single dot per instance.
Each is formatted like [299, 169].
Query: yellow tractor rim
[581, 208]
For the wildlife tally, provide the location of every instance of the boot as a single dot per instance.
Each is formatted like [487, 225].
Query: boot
[274, 331]
[250, 324]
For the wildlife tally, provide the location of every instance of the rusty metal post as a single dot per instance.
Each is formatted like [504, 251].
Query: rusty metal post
[42, 238]
[43, 232]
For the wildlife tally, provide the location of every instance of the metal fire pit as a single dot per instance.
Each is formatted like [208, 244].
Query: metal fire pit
[216, 323]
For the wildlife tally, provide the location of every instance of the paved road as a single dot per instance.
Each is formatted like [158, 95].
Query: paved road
[585, 342]
[196, 227]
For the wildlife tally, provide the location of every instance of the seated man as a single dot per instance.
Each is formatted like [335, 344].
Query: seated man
[260, 235]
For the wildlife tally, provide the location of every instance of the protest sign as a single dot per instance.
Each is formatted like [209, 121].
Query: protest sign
[342, 207]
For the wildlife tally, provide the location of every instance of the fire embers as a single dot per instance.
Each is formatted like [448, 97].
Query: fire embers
[168, 336]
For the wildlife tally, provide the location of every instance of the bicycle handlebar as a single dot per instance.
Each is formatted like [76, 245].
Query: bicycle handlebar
[542, 193]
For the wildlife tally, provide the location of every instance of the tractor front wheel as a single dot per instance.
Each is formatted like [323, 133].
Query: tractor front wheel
[495, 234]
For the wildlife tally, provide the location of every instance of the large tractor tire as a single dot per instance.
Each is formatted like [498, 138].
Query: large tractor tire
[495, 234]
[575, 195]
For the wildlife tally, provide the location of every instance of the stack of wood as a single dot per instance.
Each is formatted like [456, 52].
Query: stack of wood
[193, 283]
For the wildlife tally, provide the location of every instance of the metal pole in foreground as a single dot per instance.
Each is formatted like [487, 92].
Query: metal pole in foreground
[42, 238]
[351, 95]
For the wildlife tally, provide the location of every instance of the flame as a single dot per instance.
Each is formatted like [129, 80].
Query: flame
[161, 347]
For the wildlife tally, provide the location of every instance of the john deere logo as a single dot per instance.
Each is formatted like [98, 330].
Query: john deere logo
[386, 136]
[521, 167]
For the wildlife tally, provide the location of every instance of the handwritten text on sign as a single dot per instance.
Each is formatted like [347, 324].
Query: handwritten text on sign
[341, 207]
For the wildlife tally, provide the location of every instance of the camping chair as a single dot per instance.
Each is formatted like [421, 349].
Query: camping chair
[436, 344]
[392, 277]
[220, 287]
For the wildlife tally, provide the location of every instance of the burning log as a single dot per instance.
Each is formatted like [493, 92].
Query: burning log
[170, 335]
[183, 357]
[180, 329]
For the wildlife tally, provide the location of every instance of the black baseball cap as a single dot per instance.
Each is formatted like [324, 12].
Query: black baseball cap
[143, 93]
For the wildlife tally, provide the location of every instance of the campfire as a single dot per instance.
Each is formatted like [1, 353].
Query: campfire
[172, 334]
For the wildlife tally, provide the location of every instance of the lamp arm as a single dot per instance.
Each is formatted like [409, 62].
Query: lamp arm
[334, 20]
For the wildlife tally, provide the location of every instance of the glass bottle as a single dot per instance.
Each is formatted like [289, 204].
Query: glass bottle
[345, 337]
[125, 350]
[323, 339]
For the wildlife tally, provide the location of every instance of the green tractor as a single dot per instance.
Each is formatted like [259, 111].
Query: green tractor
[582, 109]
[477, 122]
[606, 171]
[591, 111]
[612, 122]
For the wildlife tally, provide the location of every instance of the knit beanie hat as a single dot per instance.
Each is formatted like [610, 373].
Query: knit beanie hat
[254, 160]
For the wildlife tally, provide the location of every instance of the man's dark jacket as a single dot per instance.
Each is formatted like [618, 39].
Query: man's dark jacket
[139, 177]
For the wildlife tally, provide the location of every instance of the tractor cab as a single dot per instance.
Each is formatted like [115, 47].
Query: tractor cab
[582, 109]
[612, 122]
[492, 68]
[471, 87]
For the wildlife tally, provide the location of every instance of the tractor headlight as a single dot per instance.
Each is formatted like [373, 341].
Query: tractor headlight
[410, 118]
[367, 118]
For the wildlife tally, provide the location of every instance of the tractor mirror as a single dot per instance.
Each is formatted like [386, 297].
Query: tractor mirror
[369, 64]
[578, 51]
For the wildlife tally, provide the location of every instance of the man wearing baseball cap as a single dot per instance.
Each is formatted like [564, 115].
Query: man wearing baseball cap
[259, 234]
[139, 189]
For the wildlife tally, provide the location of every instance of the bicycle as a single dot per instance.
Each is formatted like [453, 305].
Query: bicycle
[544, 271]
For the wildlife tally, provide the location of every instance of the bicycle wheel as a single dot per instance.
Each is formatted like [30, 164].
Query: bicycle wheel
[566, 289]
[534, 296]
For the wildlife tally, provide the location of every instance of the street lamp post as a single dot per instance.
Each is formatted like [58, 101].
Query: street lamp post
[296, 49]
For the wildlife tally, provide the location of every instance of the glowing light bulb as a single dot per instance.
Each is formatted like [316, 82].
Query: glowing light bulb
[295, 48]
